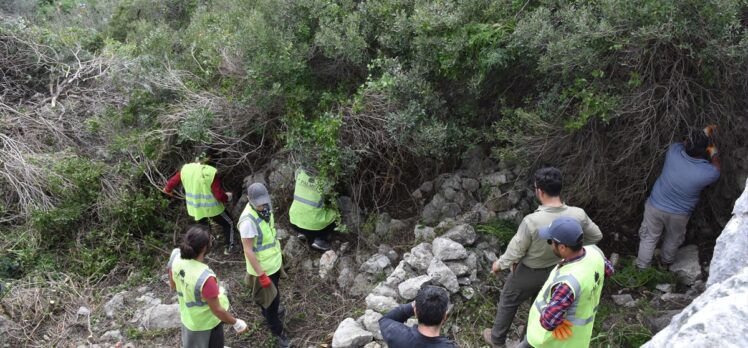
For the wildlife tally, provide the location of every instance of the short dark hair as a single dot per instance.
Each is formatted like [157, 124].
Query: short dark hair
[196, 238]
[696, 143]
[431, 305]
[549, 180]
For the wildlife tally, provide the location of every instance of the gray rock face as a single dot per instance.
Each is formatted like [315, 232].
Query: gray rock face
[462, 233]
[350, 334]
[293, 249]
[731, 245]
[361, 285]
[717, 318]
[398, 275]
[161, 317]
[494, 179]
[385, 290]
[409, 288]
[115, 304]
[419, 257]
[686, 265]
[661, 320]
[446, 249]
[375, 264]
[442, 275]
[458, 268]
[470, 184]
[379, 303]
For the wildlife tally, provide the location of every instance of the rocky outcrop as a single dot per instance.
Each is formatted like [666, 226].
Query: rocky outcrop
[350, 334]
[719, 316]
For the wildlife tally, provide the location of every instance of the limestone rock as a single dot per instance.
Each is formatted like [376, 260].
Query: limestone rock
[161, 317]
[442, 275]
[327, 263]
[686, 265]
[424, 233]
[458, 268]
[409, 288]
[419, 257]
[371, 323]
[375, 264]
[113, 335]
[387, 250]
[446, 249]
[470, 184]
[293, 249]
[385, 290]
[398, 275]
[350, 334]
[361, 285]
[624, 300]
[462, 233]
[494, 179]
[660, 320]
[373, 344]
[731, 244]
[379, 303]
[115, 304]
[704, 323]
[83, 311]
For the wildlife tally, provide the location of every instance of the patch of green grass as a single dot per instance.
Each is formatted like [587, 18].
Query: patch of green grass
[629, 276]
[502, 229]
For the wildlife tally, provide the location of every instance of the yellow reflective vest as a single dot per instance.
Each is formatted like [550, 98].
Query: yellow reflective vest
[189, 277]
[197, 179]
[266, 245]
[585, 278]
[308, 209]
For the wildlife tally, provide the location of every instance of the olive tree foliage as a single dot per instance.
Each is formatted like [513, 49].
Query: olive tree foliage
[619, 82]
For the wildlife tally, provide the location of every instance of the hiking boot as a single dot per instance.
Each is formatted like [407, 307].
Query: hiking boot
[283, 341]
[488, 339]
[321, 244]
[302, 237]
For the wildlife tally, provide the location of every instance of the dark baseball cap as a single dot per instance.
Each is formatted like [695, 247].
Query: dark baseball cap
[563, 230]
[258, 194]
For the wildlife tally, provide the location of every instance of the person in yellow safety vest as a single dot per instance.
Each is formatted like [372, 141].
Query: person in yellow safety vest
[563, 313]
[310, 218]
[203, 305]
[204, 196]
[262, 253]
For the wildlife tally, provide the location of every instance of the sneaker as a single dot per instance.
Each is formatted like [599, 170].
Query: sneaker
[302, 237]
[283, 341]
[321, 244]
[229, 249]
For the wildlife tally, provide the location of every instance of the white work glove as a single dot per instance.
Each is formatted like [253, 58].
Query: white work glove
[240, 326]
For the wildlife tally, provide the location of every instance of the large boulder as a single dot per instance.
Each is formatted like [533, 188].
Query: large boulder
[441, 274]
[717, 318]
[686, 264]
[350, 334]
[462, 233]
[162, 316]
[446, 249]
[375, 264]
[731, 244]
[419, 257]
[379, 303]
[371, 323]
[409, 288]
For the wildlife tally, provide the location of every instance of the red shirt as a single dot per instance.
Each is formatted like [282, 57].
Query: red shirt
[215, 187]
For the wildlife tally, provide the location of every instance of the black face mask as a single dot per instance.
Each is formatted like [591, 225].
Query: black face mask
[264, 214]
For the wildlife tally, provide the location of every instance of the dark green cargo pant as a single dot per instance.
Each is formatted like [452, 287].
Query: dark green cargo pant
[522, 284]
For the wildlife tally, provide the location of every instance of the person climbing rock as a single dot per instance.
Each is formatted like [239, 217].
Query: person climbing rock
[563, 313]
[204, 196]
[203, 305]
[309, 216]
[689, 167]
[528, 256]
[430, 307]
[262, 253]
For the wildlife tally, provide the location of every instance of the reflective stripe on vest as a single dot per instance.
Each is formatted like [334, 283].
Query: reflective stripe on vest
[317, 204]
[197, 180]
[265, 246]
[189, 277]
[199, 291]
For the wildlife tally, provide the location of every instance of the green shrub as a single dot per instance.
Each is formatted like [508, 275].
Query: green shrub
[502, 229]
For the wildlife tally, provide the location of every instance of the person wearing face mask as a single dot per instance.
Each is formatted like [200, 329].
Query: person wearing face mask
[529, 257]
[262, 253]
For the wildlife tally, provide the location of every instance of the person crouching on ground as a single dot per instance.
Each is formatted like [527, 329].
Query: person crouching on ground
[262, 253]
[430, 307]
[203, 305]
